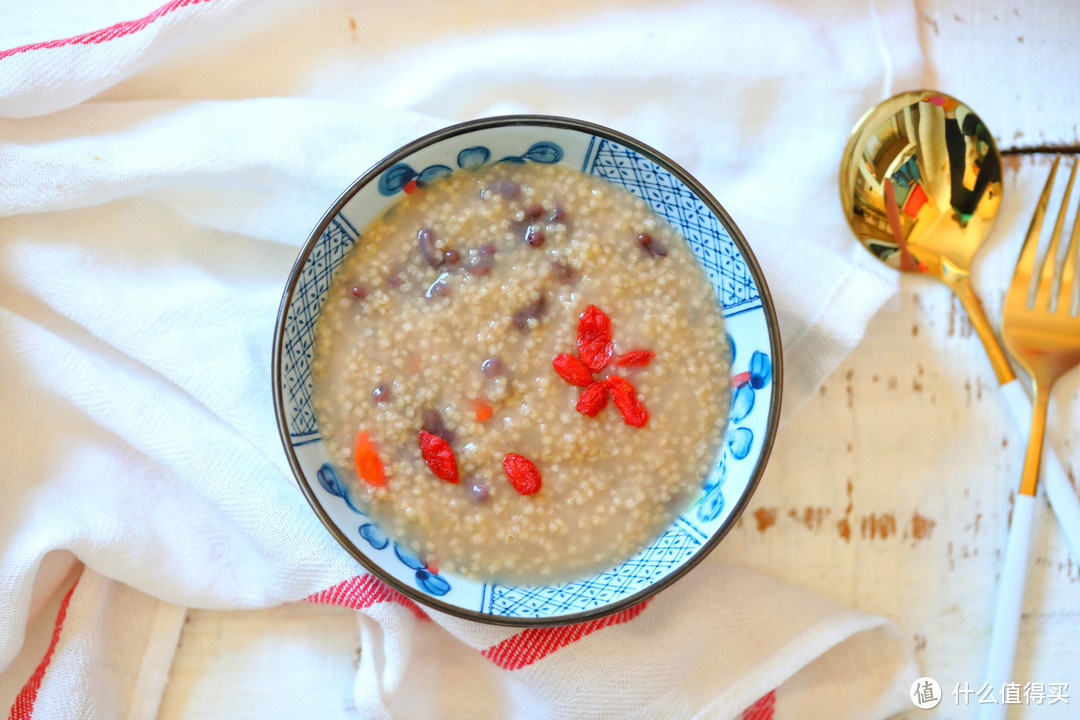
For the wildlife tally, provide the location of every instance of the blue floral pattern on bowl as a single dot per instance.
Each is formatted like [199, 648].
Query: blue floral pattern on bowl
[427, 578]
[740, 438]
[751, 337]
[403, 177]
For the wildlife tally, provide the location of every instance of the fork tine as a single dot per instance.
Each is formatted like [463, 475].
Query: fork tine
[1068, 268]
[1046, 276]
[1026, 263]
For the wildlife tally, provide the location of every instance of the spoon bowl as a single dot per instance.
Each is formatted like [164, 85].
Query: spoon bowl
[920, 183]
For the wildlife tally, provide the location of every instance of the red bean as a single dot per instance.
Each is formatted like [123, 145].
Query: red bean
[438, 289]
[558, 215]
[381, 394]
[394, 280]
[433, 423]
[478, 492]
[480, 263]
[507, 188]
[651, 245]
[452, 256]
[563, 273]
[358, 292]
[534, 237]
[532, 311]
[432, 255]
[492, 368]
[487, 249]
[534, 212]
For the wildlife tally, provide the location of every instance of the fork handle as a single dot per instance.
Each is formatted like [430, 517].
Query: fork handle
[1010, 600]
[1059, 490]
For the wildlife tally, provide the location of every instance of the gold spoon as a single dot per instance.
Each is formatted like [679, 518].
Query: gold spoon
[920, 183]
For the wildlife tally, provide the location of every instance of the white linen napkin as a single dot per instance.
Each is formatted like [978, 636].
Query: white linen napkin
[156, 180]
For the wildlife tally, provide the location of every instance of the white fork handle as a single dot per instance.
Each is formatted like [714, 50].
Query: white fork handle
[1059, 491]
[1010, 600]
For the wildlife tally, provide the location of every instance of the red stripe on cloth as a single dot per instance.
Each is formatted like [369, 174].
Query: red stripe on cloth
[763, 709]
[363, 591]
[23, 709]
[110, 33]
[527, 647]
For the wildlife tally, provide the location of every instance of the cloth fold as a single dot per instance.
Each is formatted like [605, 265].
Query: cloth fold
[156, 180]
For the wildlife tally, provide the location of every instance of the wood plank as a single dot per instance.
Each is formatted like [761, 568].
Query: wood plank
[1015, 63]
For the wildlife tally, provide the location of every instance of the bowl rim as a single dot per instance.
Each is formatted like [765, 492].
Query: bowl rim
[710, 202]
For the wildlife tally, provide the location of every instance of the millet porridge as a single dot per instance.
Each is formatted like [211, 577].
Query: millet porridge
[522, 372]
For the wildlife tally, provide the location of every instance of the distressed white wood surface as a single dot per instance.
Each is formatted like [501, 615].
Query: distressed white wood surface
[1015, 62]
[910, 518]
[899, 508]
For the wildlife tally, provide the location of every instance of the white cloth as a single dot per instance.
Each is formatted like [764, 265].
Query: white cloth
[156, 180]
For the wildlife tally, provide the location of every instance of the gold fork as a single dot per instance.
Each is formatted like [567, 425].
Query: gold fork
[1043, 336]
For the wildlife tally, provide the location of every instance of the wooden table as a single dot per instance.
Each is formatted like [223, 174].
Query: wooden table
[907, 514]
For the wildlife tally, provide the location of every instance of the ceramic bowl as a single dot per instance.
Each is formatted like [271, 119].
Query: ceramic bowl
[740, 289]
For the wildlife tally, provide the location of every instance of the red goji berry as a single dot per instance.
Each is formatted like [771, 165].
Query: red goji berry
[572, 370]
[523, 474]
[368, 464]
[593, 399]
[594, 338]
[439, 456]
[625, 398]
[635, 358]
[483, 410]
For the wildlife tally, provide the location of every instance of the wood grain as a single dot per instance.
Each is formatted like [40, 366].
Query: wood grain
[1016, 63]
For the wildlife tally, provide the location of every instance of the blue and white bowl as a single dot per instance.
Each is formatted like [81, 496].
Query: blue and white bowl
[740, 289]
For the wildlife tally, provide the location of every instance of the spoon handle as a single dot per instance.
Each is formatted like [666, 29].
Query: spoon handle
[1009, 603]
[961, 285]
[1059, 490]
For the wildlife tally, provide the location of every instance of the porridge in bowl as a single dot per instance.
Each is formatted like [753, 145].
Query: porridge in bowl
[523, 373]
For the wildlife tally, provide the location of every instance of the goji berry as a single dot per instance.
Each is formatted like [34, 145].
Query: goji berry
[625, 398]
[572, 370]
[368, 464]
[523, 474]
[483, 410]
[635, 358]
[439, 456]
[593, 399]
[594, 338]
